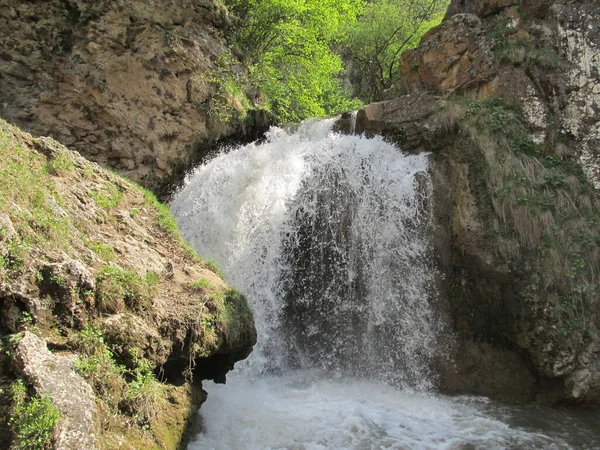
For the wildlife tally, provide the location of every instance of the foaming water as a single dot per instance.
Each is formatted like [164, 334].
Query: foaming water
[327, 235]
[301, 412]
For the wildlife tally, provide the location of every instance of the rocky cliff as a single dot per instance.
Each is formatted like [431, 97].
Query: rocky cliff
[143, 88]
[506, 96]
[106, 316]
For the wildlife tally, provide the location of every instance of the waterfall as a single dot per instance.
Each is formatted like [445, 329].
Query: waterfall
[353, 118]
[327, 235]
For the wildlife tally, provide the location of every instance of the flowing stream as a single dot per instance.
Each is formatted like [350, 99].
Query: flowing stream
[327, 235]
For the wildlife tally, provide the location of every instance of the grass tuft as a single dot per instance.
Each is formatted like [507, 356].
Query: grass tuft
[117, 288]
[200, 285]
[96, 364]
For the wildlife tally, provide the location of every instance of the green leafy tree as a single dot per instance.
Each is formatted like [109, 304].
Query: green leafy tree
[288, 45]
[373, 44]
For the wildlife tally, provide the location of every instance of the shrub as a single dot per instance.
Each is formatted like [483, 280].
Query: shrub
[289, 48]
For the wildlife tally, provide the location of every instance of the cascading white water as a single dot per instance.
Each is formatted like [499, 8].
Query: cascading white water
[327, 235]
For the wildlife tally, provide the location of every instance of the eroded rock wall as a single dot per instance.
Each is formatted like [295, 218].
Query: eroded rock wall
[130, 85]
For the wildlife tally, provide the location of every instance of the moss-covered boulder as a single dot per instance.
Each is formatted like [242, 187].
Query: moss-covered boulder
[97, 268]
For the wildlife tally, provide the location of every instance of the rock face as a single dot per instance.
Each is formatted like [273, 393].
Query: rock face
[68, 391]
[578, 35]
[454, 56]
[507, 101]
[543, 56]
[134, 86]
[97, 267]
[408, 119]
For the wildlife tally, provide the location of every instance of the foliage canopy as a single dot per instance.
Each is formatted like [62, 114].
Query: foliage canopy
[288, 45]
[298, 50]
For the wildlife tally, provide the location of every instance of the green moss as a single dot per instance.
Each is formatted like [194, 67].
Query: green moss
[236, 315]
[27, 183]
[137, 410]
[108, 196]
[103, 251]
[61, 164]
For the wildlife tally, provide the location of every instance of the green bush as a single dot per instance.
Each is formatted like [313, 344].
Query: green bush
[372, 45]
[288, 45]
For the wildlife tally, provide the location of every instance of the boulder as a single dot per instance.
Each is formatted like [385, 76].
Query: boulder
[53, 376]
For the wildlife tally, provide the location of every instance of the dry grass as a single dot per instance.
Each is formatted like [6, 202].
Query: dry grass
[542, 207]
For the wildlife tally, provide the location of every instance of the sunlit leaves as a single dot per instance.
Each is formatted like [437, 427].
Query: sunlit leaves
[288, 44]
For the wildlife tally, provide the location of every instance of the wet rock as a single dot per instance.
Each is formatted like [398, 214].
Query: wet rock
[409, 121]
[480, 369]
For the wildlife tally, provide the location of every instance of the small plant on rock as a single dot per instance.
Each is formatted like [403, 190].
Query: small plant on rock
[143, 392]
[33, 420]
[212, 265]
[200, 285]
[97, 365]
